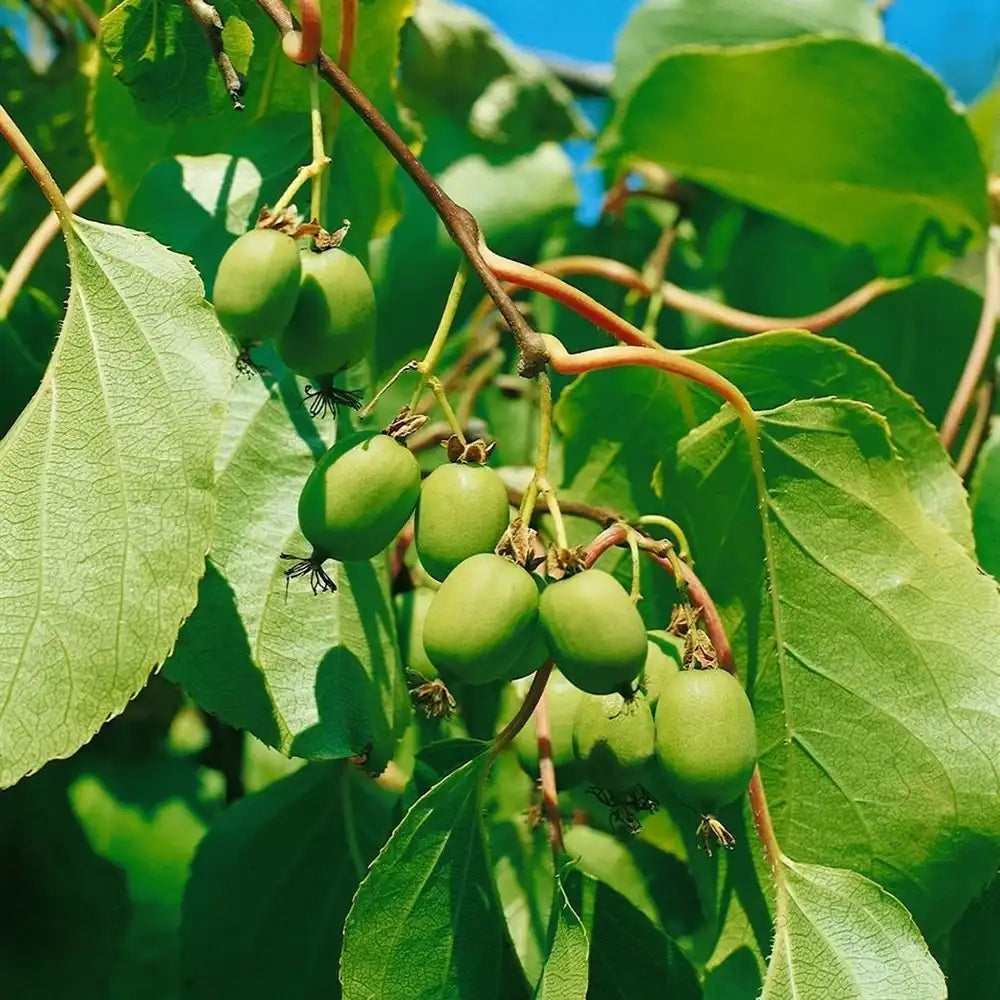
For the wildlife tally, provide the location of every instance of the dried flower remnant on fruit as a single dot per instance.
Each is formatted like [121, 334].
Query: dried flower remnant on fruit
[711, 834]
[434, 699]
[519, 543]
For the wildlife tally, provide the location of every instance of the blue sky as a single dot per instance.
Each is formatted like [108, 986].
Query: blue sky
[960, 39]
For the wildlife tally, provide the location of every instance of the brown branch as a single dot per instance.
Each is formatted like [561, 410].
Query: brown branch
[602, 515]
[981, 347]
[977, 430]
[211, 25]
[460, 223]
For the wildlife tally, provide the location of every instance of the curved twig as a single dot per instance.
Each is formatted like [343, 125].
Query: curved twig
[981, 346]
[547, 775]
[697, 305]
[303, 46]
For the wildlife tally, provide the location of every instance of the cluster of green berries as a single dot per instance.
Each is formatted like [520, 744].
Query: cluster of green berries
[624, 712]
[317, 305]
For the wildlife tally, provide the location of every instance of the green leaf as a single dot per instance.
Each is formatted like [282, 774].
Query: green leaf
[454, 66]
[310, 674]
[316, 829]
[615, 423]
[630, 958]
[425, 921]
[777, 269]
[65, 908]
[873, 620]
[159, 51]
[362, 183]
[984, 119]
[565, 974]
[106, 494]
[790, 128]
[523, 875]
[657, 26]
[840, 935]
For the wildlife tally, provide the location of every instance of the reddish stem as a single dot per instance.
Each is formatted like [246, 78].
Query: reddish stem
[668, 361]
[547, 775]
[523, 712]
[697, 305]
[981, 347]
[304, 47]
[579, 302]
[764, 825]
[348, 32]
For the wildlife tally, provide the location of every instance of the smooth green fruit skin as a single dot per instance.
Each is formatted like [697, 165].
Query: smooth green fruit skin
[463, 510]
[594, 632]
[411, 610]
[358, 497]
[706, 739]
[332, 326]
[562, 700]
[664, 658]
[613, 739]
[256, 285]
[481, 620]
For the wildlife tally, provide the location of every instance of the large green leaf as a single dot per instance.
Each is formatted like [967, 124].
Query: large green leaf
[65, 909]
[159, 51]
[106, 494]
[870, 650]
[616, 423]
[985, 499]
[315, 830]
[426, 921]
[790, 128]
[842, 936]
[315, 675]
[657, 26]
